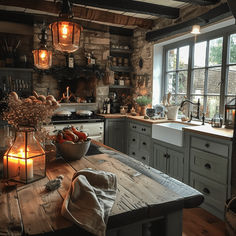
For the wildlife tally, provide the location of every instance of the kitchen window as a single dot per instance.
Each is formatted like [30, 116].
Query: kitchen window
[202, 69]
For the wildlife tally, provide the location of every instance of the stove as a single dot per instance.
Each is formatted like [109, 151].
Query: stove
[93, 125]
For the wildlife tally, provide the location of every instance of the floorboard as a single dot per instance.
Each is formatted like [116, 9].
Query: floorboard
[198, 222]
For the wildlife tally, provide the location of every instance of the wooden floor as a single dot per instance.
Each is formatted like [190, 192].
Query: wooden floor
[198, 222]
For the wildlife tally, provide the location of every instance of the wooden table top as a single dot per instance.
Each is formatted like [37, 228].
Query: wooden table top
[142, 193]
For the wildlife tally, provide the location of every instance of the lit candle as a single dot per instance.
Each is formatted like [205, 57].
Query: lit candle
[67, 92]
[29, 163]
[13, 166]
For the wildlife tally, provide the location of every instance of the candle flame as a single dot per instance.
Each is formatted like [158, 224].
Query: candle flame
[64, 31]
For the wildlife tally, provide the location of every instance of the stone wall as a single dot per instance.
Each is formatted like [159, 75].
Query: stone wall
[91, 41]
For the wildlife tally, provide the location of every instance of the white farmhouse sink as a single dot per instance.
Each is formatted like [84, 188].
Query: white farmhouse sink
[169, 132]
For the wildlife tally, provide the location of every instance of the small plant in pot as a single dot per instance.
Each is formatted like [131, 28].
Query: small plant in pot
[143, 101]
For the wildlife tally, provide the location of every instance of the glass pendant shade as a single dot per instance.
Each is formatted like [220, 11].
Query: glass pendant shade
[195, 29]
[42, 58]
[25, 161]
[65, 36]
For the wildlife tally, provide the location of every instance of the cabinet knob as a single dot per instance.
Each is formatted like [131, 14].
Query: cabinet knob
[143, 129]
[206, 191]
[207, 145]
[133, 139]
[144, 143]
[207, 166]
[144, 158]
[133, 153]
[165, 155]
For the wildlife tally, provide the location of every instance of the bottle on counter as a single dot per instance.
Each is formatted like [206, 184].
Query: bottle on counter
[108, 106]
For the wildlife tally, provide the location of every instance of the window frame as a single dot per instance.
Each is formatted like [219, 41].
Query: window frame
[224, 33]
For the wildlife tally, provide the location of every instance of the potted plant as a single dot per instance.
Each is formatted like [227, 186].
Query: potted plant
[143, 101]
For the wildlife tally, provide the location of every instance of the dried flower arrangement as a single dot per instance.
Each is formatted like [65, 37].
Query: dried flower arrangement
[32, 111]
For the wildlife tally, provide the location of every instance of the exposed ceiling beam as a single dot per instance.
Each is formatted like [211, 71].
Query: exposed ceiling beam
[133, 6]
[218, 13]
[232, 5]
[45, 7]
[201, 2]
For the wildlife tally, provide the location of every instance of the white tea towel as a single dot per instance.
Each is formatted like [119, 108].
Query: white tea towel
[89, 200]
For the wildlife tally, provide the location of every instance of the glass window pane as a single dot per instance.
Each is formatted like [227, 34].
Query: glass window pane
[232, 80]
[200, 54]
[180, 98]
[182, 87]
[198, 81]
[232, 50]
[213, 103]
[194, 108]
[172, 55]
[214, 80]
[171, 82]
[215, 51]
[183, 57]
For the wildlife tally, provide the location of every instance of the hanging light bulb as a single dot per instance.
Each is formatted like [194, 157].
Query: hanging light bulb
[195, 29]
[66, 33]
[42, 56]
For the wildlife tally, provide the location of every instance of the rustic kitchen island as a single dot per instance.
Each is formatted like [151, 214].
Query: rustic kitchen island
[147, 202]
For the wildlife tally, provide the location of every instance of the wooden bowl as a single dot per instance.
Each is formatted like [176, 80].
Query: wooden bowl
[73, 151]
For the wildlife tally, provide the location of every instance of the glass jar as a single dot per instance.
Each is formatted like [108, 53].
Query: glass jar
[25, 161]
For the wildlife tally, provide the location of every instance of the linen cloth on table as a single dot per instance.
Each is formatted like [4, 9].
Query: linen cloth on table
[89, 200]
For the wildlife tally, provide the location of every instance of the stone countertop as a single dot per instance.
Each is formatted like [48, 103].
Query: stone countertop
[194, 126]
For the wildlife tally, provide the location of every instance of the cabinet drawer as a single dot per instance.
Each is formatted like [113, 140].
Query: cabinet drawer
[133, 139]
[214, 193]
[209, 146]
[144, 157]
[142, 129]
[133, 152]
[144, 143]
[209, 165]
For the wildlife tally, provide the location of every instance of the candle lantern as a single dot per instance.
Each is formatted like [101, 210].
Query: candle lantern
[230, 110]
[65, 32]
[25, 161]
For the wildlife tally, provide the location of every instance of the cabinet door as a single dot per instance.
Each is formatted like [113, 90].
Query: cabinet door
[159, 157]
[175, 164]
[115, 135]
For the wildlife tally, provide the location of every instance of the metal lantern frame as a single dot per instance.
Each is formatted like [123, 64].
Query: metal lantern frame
[38, 61]
[24, 169]
[71, 44]
[230, 111]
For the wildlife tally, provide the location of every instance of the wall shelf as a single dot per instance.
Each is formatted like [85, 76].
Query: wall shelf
[121, 68]
[16, 69]
[113, 86]
[123, 51]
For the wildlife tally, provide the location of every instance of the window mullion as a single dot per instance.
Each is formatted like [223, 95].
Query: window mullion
[224, 72]
[206, 77]
[177, 74]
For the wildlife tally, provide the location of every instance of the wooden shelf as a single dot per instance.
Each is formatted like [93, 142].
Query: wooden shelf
[121, 68]
[114, 86]
[123, 51]
[16, 69]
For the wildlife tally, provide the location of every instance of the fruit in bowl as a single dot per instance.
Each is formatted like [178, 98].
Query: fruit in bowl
[72, 144]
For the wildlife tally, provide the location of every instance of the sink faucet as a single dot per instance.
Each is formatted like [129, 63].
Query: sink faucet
[193, 103]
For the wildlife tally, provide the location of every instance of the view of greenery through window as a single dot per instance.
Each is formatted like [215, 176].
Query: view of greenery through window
[205, 73]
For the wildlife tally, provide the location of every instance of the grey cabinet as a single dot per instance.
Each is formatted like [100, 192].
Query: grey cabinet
[210, 160]
[139, 142]
[168, 161]
[115, 134]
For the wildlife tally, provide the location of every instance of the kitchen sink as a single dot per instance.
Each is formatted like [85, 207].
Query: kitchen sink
[169, 132]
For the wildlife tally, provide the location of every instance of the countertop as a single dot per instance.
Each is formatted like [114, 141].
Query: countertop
[194, 126]
[143, 194]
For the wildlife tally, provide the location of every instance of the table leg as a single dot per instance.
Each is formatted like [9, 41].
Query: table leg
[174, 224]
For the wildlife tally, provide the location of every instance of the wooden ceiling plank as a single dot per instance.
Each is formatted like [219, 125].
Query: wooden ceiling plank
[200, 2]
[46, 7]
[232, 5]
[213, 15]
[134, 7]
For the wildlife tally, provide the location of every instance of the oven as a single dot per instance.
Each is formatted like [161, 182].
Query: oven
[93, 125]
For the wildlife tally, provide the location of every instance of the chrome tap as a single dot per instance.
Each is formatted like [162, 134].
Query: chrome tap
[195, 104]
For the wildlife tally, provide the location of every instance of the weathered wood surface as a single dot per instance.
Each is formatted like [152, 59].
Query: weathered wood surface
[139, 197]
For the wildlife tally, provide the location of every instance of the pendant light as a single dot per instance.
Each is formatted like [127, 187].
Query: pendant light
[65, 32]
[195, 29]
[42, 56]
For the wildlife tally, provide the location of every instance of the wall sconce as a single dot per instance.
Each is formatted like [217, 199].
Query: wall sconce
[195, 29]
[66, 33]
[230, 110]
[42, 56]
